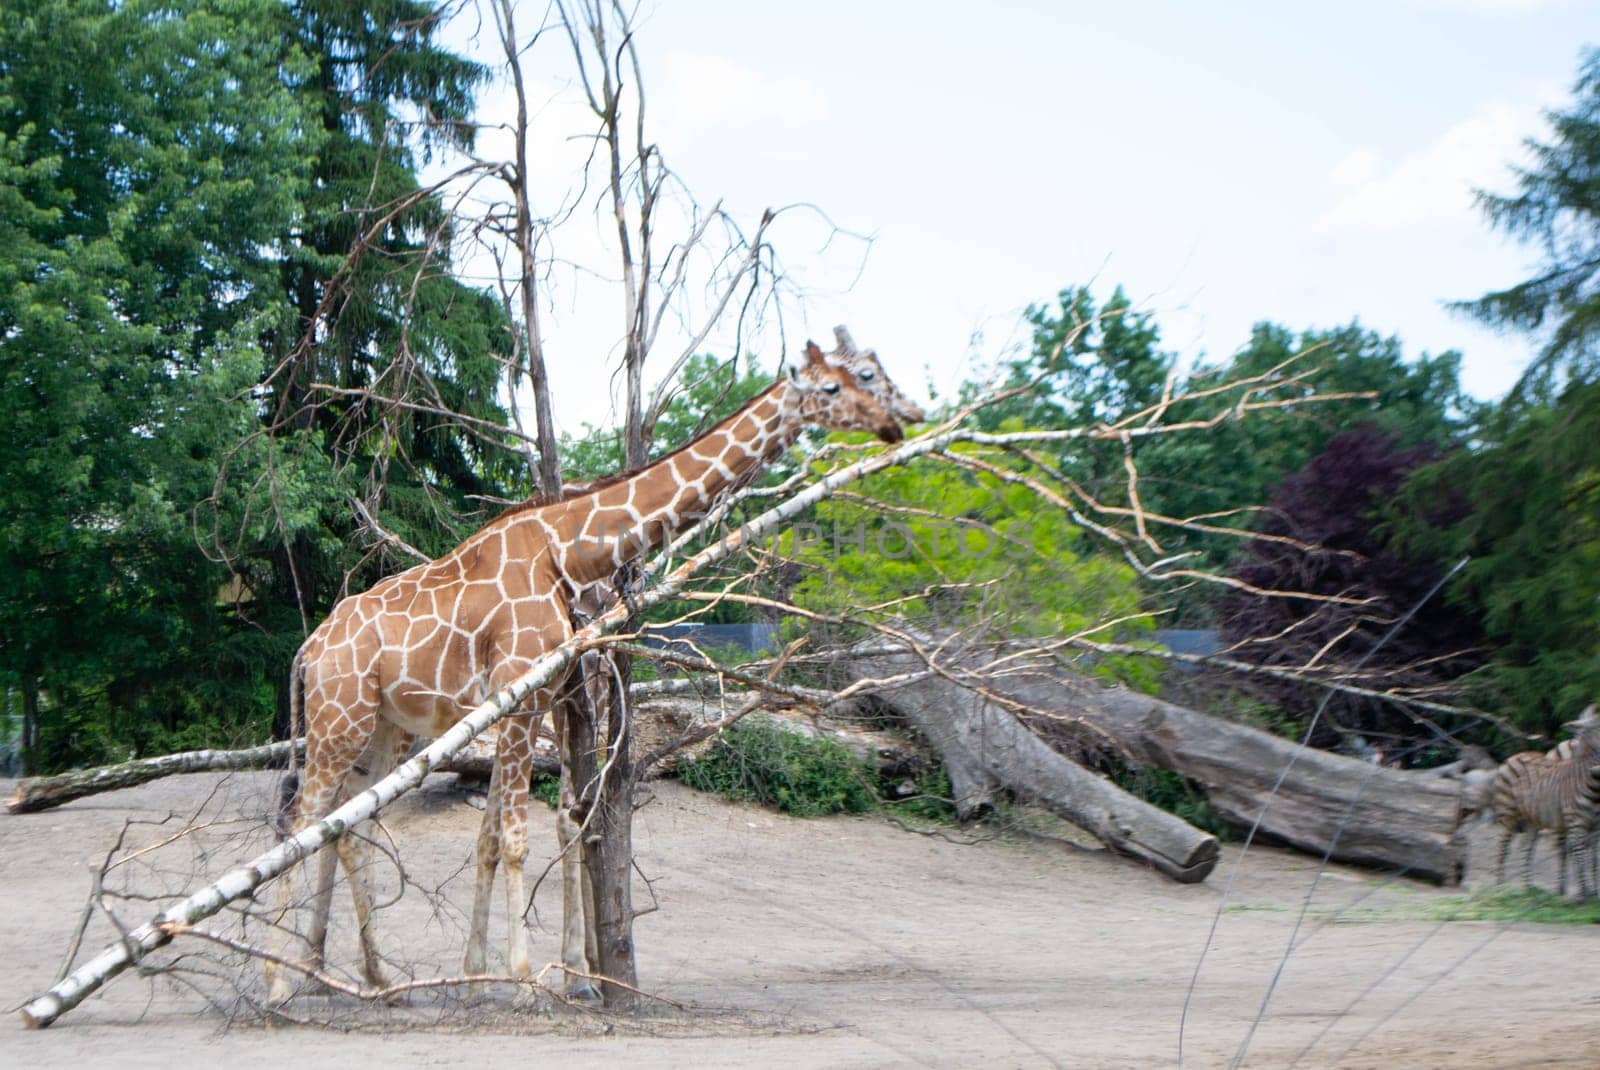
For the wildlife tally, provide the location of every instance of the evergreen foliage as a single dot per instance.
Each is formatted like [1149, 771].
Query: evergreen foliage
[1556, 209]
[1531, 526]
[179, 182]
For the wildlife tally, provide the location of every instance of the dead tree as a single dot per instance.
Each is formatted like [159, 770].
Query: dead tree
[1324, 803]
[986, 748]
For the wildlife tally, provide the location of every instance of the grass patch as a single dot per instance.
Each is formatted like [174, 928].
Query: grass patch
[1516, 904]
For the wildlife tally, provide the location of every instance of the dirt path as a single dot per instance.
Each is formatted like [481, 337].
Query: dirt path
[847, 942]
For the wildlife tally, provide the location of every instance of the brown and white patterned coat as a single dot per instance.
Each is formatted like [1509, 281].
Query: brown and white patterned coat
[420, 649]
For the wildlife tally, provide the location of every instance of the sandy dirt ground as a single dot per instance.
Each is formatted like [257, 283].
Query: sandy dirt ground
[839, 943]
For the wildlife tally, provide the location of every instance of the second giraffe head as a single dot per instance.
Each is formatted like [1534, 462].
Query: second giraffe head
[831, 397]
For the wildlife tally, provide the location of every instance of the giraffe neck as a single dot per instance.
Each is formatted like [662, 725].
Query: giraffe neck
[598, 532]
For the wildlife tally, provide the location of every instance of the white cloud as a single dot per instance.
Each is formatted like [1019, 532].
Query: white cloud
[1433, 185]
[1356, 169]
[702, 91]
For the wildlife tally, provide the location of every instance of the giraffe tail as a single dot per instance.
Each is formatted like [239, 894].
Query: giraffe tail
[289, 786]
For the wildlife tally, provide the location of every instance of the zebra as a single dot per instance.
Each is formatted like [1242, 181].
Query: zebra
[1558, 791]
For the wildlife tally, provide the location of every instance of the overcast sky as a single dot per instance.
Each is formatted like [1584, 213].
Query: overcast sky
[1305, 164]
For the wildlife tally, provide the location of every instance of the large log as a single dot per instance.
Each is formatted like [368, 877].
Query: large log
[47, 792]
[43, 793]
[984, 746]
[1324, 803]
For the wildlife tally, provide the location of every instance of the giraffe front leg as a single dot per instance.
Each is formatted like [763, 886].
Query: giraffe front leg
[578, 956]
[577, 897]
[514, 764]
[488, 859]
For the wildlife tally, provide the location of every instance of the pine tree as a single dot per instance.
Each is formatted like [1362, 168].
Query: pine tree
[1556, 209]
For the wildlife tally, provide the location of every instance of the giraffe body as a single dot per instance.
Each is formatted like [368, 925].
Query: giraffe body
[413, 654]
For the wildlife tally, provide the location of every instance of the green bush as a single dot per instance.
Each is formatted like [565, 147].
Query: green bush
[931, 798]
[756, 761]
[547, 789]
[1172, 793]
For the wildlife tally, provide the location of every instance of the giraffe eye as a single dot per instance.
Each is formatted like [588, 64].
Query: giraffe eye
[831, 388]
[866, 375]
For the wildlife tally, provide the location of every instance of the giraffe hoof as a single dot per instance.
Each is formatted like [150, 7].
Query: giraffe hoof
[581, 991]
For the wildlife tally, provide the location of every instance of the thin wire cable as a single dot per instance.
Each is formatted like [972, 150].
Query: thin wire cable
[1344, 820]
[1255, 826]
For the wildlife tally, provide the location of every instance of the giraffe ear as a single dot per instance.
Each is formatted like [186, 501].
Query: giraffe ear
[841, 335]
[794, 373]
[814, 353]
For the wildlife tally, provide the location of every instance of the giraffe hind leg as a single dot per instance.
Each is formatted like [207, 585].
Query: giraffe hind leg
[328, 764]
[321, 903]
[355, 847]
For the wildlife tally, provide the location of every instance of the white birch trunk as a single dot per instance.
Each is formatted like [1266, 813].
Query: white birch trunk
[43, 793]
[245, 879]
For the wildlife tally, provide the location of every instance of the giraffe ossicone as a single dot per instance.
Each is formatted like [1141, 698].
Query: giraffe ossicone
[417, 651]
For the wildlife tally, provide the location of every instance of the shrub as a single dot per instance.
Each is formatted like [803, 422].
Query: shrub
[756, 761]
[1172, 793]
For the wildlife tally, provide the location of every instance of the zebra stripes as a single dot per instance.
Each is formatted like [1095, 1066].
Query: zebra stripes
[1559, 791]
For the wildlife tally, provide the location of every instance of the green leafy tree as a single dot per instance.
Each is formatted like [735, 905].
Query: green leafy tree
[1227, 470]
[1557, 209]
[150, 155]
[946, 546]
[709, 390]
[1092, 366]
[1099, 363]
[1532, 529]
[179, 183]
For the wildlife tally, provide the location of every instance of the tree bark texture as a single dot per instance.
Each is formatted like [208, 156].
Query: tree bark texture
[45, 793]
[610, 861]
[1320, 802]
[984, 746]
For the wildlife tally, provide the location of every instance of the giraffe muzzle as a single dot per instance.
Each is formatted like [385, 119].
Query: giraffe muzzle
[891, 433]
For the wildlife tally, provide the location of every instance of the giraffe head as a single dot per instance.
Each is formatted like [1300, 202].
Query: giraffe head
[831, 397]
[863, 364]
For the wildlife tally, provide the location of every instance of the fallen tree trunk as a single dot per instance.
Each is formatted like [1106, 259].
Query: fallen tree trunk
[1323, 803]
[985, 747]
[655, 720]
[1320, 802]
[44, 793]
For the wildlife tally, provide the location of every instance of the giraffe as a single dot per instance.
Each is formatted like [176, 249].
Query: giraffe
[863, 365]
[416, 652]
